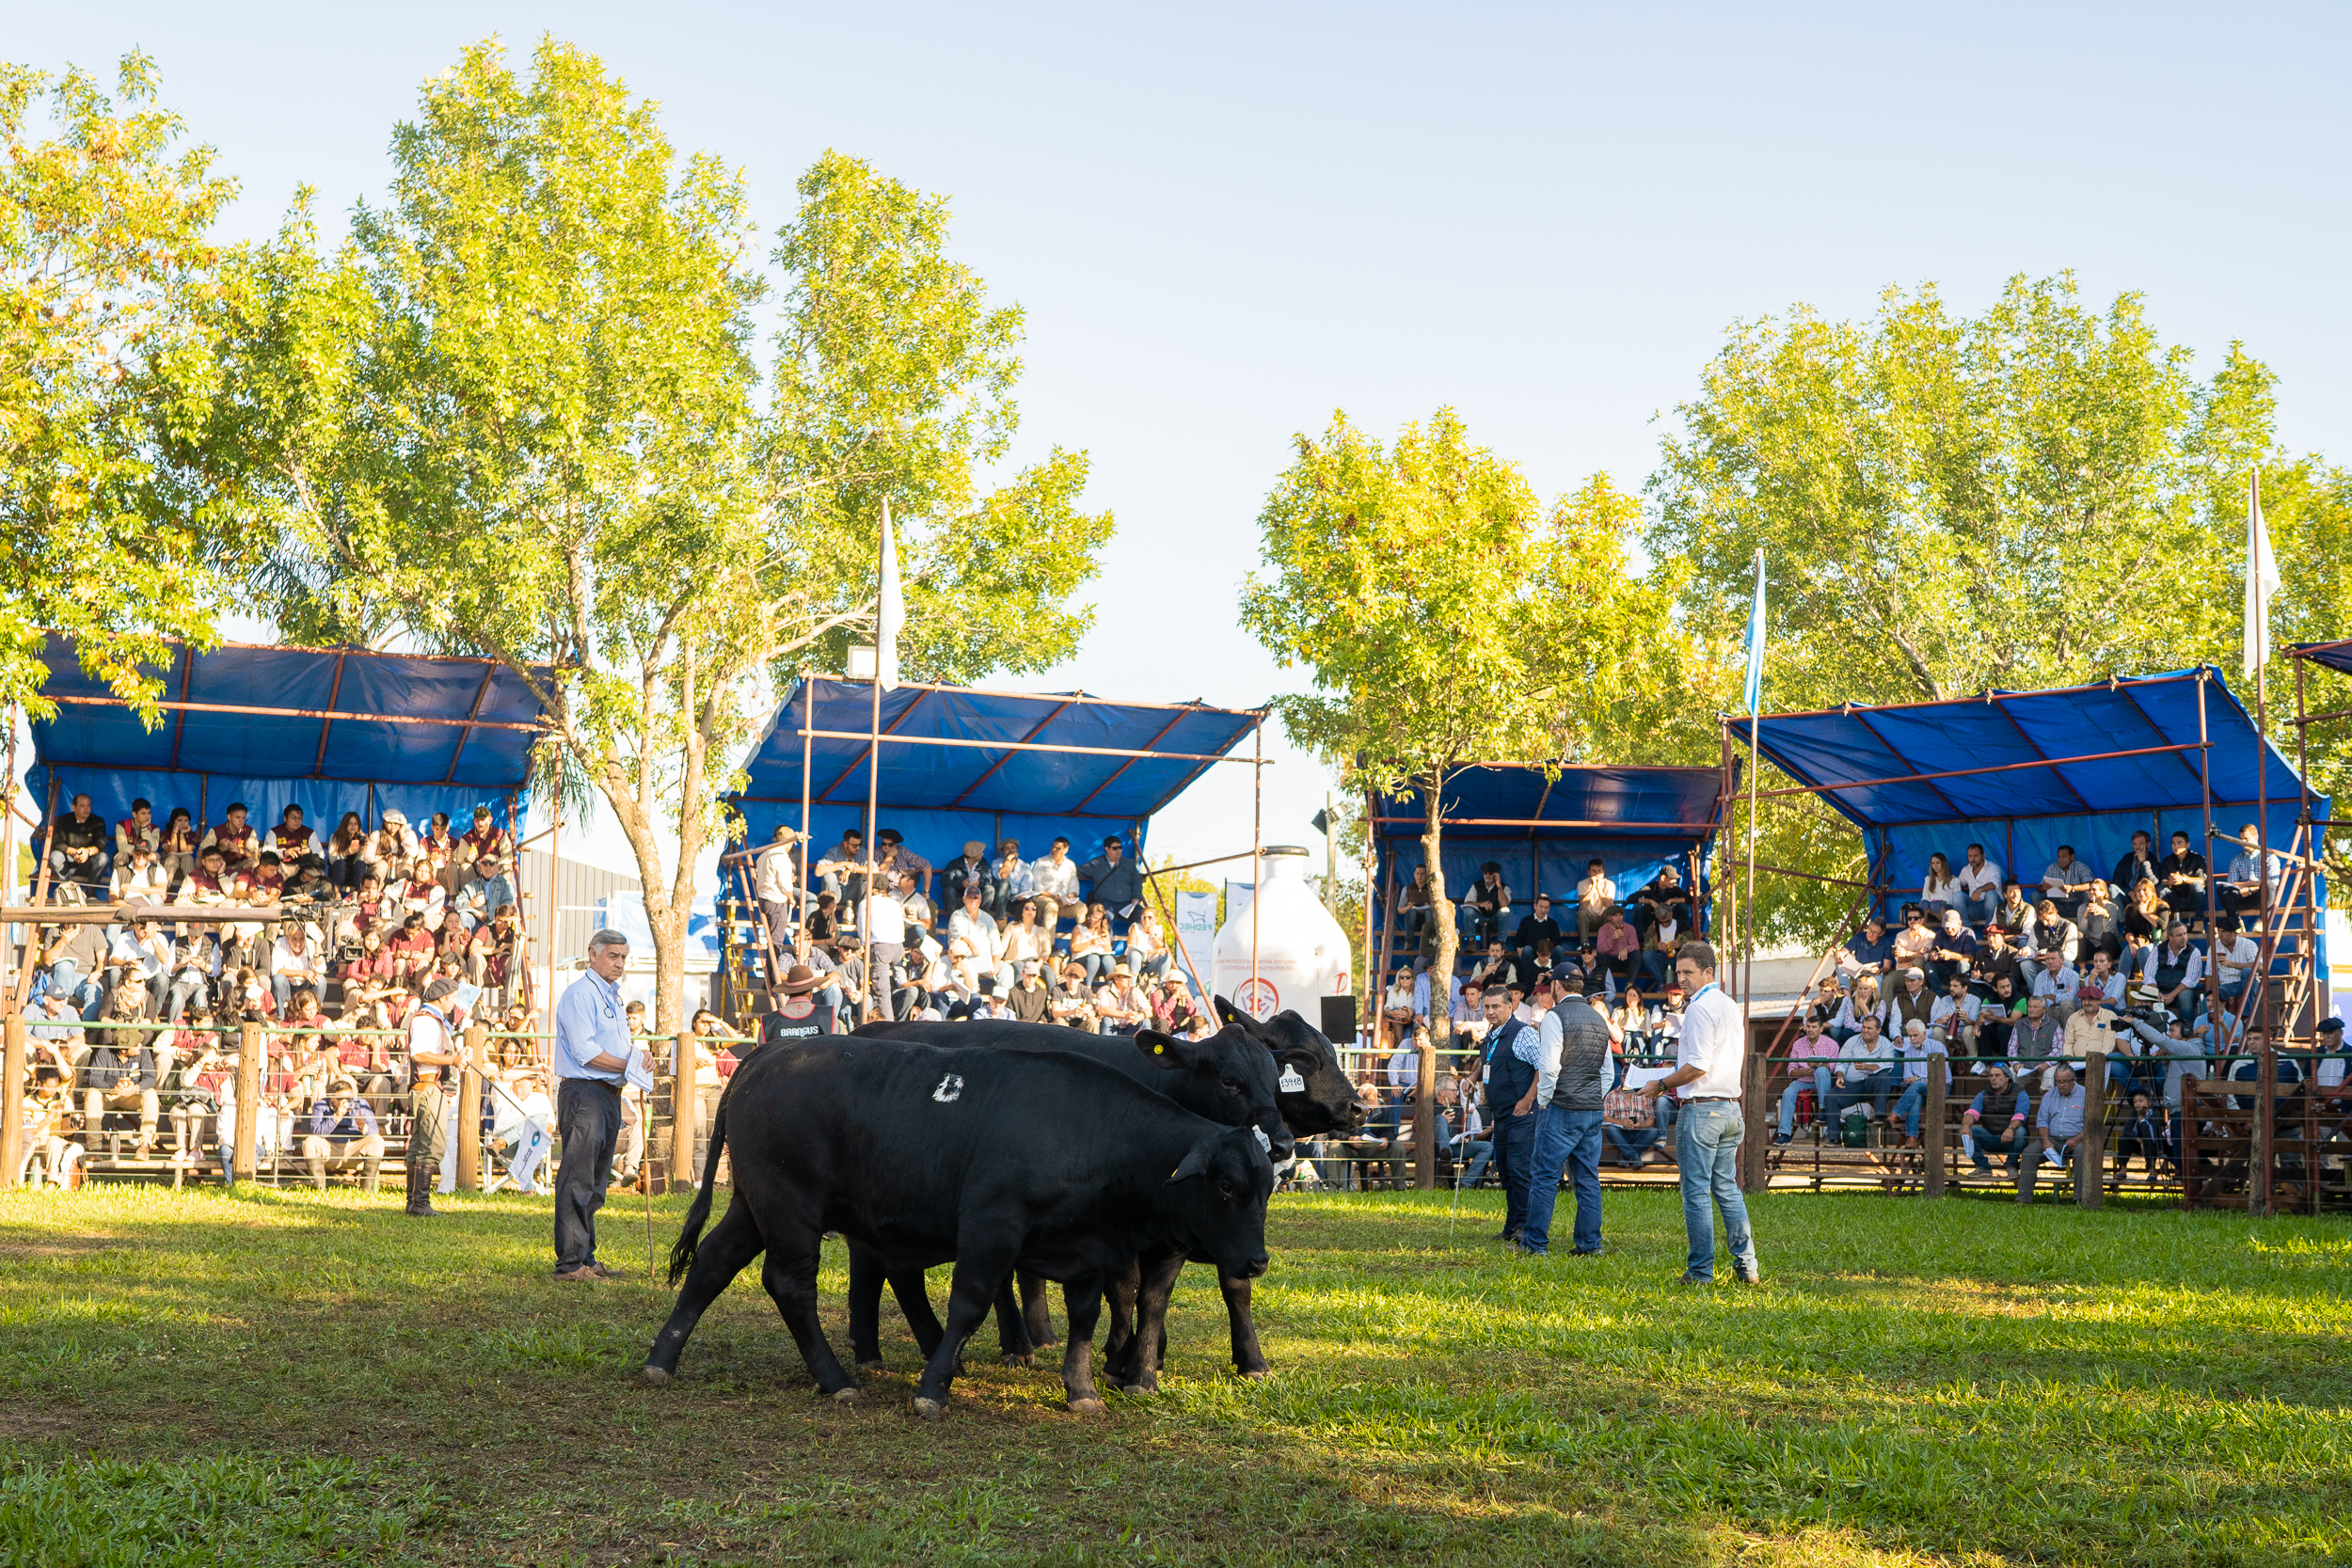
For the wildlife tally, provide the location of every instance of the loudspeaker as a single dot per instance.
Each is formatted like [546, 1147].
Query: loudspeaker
[1339, 1020]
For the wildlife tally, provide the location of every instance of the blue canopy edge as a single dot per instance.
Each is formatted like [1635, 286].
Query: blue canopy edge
[327, 729]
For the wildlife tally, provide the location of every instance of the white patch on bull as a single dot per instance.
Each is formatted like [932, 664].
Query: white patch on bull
[950, 1090]
[1291, 1083]
[1264, 1142]
[1286, 1166]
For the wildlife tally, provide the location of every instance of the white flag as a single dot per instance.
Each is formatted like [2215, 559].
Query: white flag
[890, 613]
[2262, 580]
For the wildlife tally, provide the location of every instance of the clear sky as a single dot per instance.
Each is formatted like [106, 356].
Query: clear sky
[1226, 222]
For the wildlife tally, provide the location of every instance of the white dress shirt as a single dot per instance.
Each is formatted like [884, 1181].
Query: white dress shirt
[1712, 1027]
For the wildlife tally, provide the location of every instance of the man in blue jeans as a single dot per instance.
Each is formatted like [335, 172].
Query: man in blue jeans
[1574, 1075]
[1706, 1080]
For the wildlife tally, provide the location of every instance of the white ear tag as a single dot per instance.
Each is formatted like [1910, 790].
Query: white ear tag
[1264, 1142]
[1291, 1083]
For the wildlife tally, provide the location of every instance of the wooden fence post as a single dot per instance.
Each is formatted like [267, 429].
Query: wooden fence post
[12, 1102]
[2090, 1159]
[468, 1150]
[2259, 1152]
[682, 1108]
[249, 1097]
[1931, 1123]
[1754, 1095]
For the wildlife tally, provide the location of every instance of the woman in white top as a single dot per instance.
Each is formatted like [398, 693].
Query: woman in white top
[1941, 889]
[1090, 945]
[1026, 941]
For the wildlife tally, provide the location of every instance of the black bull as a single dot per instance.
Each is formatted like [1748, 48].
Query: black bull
[1280, 1075]
[925, 1155]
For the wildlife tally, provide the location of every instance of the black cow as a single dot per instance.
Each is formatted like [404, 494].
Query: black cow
[1228, 1077]
[925, 1155]
[1312, 1091]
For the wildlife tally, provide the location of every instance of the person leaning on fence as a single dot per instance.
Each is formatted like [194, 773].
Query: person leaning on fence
[431, 1097]
[339, 1121]
[593, 1056]
[1709, 1055]
[1998, 1121]
[2058, 1128]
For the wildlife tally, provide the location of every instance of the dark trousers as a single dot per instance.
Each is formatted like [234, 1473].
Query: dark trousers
[588, 1119]
[1515, 1147]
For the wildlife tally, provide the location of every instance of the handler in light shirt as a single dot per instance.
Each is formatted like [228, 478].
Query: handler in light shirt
[1706, 1080]
[593, 1057]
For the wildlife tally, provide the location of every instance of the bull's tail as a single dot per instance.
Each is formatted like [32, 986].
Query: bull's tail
[690, 1234]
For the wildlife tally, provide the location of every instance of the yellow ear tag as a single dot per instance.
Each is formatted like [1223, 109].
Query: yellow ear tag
[1159, 1051]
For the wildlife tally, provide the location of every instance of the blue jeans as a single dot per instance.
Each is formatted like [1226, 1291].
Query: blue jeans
[1481, 1152]
[1907, 1106]
[1706, 1145]
[1978, 912]
[1570, 1139]
[1819, 1084]
[1631, 1142]
[1872, 1086]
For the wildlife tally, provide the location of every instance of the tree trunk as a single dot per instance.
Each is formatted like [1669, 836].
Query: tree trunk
[1441, 987]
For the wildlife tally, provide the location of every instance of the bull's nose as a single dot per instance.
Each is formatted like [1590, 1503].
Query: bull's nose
[1257, 1267]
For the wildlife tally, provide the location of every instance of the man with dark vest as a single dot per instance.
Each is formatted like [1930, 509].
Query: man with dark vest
[1574, 1075]
[1510, 1074]
[798, 1018]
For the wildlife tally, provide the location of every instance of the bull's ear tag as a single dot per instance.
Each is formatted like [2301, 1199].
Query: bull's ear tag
[1159, 1051]
[1291, 1083]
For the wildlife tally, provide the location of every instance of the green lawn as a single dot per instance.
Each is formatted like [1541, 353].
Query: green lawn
[272, 1379]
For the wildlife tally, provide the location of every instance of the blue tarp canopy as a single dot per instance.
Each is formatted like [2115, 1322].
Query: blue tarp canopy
[1544, 831]
[327, 729]
[2335, 656]
[1135, 758]
[2022, 772]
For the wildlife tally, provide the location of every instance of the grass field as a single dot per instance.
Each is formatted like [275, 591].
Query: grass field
[283, 1378]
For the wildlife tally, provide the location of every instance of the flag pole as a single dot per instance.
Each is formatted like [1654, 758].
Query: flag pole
[1755, 706]
[873, 756]
[2256, 553]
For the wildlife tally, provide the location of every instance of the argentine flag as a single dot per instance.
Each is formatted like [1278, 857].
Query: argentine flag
[1755, 643]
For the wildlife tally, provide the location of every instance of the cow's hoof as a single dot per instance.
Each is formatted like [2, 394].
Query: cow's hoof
[656, 1376]
[1139, 1389]
[873, 1365]
[1253, 1374]
[845, 1396]
[930, 1410]
[1023, 1359]
[1087, 1407]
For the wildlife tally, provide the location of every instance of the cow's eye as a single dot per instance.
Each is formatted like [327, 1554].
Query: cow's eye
[1225, 1190]
[1231, 1084]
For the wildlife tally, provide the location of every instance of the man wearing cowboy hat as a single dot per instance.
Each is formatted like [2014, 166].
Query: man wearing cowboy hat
[798, 1016]
[339, 1119]
[1123, 1009]
[484, 890]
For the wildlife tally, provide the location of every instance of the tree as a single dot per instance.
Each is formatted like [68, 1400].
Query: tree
[104, 257]
[1448, 618]
[516, 417]
[2033, 497]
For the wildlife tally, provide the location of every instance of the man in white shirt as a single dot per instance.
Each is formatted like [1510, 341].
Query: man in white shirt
[1594, 897]
[775, 877]
[1979, 888]
[885, 921]
[978, 932]
[1709, 1056]
[2233, 955]
[1054, 881]
[139, 877]
[293, 963]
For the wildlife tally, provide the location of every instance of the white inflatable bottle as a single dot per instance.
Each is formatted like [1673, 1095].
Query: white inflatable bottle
[1302, 955]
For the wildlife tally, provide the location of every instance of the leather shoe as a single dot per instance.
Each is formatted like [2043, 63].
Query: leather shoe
[604, 1272]
[582, 1275]
[1693, 1279]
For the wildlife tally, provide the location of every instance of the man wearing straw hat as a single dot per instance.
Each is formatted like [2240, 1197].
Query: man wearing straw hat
[593, 1057]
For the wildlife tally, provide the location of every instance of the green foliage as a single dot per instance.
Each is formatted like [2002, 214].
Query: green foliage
[2038, 495]
[894, 379]
[103, 261]
[516, 416]
[1448, 617]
